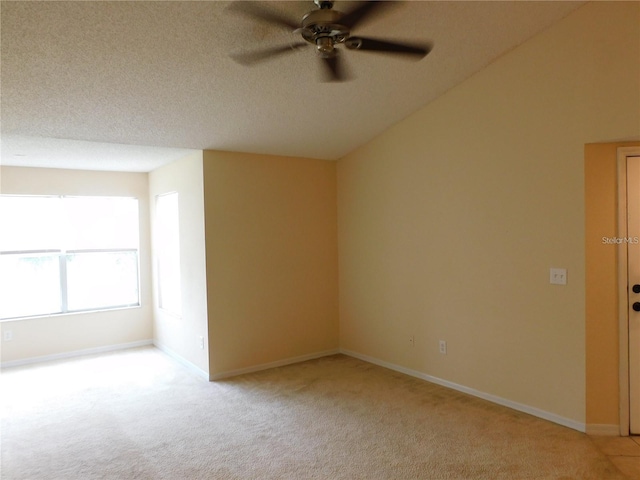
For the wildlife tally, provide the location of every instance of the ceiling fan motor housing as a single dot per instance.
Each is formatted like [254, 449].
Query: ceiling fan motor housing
[323, 29]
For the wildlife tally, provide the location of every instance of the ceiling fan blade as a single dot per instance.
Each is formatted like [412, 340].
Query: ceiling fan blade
[333, 69]
[257, 12]
[384, 46]
[255, 56]
[365, 10]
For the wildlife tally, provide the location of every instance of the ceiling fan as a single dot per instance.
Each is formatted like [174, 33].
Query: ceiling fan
[326, 29]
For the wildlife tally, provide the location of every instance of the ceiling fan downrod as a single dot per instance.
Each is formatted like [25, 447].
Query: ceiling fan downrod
[323, 4]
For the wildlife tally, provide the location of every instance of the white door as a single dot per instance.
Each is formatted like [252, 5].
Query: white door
[633, 269]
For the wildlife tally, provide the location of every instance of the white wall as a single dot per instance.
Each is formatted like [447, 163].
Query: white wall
[180, 336]
[449, 222]
[61, 334]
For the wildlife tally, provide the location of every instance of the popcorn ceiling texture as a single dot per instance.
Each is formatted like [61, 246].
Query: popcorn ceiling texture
[159, 74]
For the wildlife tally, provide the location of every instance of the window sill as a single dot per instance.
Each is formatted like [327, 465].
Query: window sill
[66, 314]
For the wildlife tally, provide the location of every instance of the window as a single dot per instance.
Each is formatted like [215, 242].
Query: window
[167, 243]
[67, 254]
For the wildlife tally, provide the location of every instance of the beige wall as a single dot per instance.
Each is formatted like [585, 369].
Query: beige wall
[61, 334]
[181, 335]
[449, 222]
[271, 258]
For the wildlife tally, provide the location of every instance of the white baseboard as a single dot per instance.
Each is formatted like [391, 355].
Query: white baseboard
[536, 412]
[590, 429]
[603, 430]
[278, 363]
[75, 353]
[181, 360]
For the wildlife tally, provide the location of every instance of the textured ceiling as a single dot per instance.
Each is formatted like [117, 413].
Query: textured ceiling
[158, 74]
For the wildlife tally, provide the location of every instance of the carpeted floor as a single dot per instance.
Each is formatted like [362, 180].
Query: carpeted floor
[138, 415]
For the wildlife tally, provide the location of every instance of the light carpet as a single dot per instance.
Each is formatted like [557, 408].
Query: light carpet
[139, 415]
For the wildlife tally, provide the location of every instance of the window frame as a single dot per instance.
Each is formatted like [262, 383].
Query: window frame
[165, 256]
[63, 259]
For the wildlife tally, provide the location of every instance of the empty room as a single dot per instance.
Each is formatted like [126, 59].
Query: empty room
[320, 240]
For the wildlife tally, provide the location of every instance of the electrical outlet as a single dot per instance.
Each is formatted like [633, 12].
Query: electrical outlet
[412, 341]
[201, 343]
[443, 347]
[7, 335]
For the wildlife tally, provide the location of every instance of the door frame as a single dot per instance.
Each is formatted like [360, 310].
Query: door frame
[623, 293]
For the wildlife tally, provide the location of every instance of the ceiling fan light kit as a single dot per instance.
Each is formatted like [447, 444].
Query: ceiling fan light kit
[325, 29]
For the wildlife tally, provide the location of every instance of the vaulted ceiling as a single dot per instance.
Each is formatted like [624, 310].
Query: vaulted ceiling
[119, 85]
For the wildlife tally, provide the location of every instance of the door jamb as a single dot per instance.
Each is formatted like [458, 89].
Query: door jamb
[623, 294]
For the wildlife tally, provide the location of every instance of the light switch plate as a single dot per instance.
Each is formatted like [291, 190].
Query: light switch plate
[558, 276]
